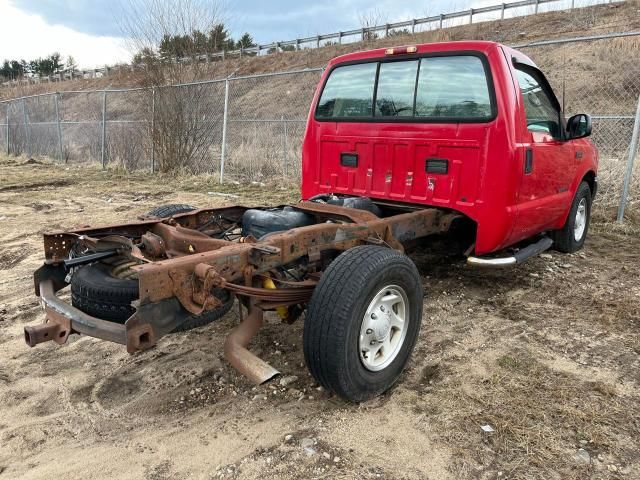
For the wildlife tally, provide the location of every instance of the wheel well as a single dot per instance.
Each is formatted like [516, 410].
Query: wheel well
[590, 178]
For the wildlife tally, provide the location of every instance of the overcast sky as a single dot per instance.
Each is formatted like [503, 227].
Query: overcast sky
[89, 29]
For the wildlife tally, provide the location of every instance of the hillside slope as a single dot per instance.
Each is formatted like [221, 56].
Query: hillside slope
[616, 17]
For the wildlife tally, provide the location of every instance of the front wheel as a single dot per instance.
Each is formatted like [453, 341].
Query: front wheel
[363, 322]
[571, 237]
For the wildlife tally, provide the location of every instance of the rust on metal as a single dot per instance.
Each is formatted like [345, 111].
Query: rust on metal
[69, 319]
[140, 337]
[235, 349]
[179, 266]
[193, 293]
[336, 212]
[45, 332]
[57, 244]
[231, 260]
[153, 244]
[122, 269]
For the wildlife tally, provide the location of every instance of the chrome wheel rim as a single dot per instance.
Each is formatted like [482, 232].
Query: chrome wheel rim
[580, 223]
[384, 328]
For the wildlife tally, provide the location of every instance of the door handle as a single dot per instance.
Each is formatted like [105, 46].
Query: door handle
[528, 161]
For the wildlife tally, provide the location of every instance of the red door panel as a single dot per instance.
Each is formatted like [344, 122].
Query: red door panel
[545, 191]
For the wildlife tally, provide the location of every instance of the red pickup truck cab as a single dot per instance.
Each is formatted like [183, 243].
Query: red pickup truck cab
[471, 126]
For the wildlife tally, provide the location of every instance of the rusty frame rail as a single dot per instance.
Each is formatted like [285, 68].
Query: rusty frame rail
[242, 261]
[198, 264]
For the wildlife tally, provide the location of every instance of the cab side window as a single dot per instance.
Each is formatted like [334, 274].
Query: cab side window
[542, 115]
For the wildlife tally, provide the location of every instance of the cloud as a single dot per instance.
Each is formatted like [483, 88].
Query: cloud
[28, 36]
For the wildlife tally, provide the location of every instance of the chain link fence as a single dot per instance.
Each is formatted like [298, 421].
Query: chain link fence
[601, 78]
[250, 128]
[266, 120]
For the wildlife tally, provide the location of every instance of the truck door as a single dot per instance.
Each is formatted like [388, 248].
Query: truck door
[545, 159]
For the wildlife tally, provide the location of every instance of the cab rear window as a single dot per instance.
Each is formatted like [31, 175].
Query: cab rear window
[349, 92]
[440, 88]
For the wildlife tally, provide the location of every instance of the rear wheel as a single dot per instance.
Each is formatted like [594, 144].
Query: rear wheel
[572, 236]
[363, 322]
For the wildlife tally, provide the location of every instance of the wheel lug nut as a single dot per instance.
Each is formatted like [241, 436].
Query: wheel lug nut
[374, 316]
[373, 342]
[382, 307]
[369, 331]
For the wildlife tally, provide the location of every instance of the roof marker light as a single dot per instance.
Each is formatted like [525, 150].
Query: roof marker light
[401, 50]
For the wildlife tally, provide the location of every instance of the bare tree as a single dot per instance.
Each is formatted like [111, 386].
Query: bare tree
[147, 24]
[184, 119]
[368, 20]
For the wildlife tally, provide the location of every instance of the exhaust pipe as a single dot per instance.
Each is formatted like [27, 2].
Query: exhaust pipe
[235, 349]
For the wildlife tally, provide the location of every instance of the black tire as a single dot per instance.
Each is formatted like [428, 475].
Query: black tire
[166, 211]
[564, 239]
[97, 293]
[336, 312]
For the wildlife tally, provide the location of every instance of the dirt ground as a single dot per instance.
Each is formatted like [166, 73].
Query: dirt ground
[547, 354]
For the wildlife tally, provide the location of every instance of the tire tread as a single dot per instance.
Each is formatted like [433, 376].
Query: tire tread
[563, 239]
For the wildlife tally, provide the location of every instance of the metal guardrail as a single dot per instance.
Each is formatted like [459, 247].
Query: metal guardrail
[362, 33]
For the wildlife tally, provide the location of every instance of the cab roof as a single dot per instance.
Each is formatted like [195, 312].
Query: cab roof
[481, 46]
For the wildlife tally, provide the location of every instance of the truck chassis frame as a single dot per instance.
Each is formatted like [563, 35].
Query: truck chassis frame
[196, 264]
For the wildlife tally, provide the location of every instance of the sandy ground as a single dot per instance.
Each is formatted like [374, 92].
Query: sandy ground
[547, 354]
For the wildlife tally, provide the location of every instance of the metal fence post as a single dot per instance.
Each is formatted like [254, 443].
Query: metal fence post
[633, 149]
[502, 12]
[224, 129]
[60, 155]
[104, 130]
[7, 137]
[470, 16]
[284, 144]
[153, 129]
[26, 128]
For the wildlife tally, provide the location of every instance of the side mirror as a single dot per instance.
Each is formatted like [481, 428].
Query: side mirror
[578, 126]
